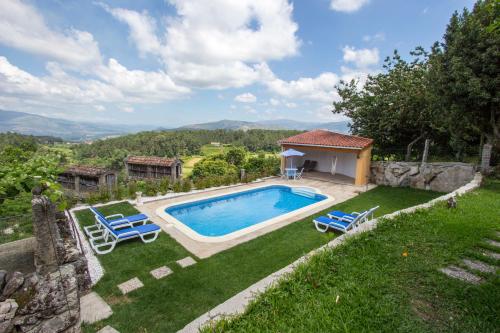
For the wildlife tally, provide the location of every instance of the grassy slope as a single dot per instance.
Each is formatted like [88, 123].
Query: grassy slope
[380, 289]
[169, 304]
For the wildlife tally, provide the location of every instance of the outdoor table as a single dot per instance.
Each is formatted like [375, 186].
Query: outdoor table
[291, 172]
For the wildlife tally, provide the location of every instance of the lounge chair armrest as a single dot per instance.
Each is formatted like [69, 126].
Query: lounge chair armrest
[121, 224]
[114, 215]
[133, 232]
[355, 213]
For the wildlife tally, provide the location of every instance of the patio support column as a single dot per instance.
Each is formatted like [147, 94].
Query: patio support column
[363, 167]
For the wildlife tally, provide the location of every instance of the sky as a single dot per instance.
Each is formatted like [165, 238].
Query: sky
[176, 62]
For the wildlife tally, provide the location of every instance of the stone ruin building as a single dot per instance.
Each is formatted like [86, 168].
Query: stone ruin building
[42, 293]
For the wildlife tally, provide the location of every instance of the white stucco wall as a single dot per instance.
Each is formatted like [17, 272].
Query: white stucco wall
[346, 162]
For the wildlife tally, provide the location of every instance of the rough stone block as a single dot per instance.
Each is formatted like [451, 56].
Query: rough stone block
[161, 272]
[13, 282]
[188, 261]
[130, 285]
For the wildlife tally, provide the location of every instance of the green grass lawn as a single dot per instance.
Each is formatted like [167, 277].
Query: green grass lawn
[380, 289]
[169, 304]
[188, 165]
[207, 150]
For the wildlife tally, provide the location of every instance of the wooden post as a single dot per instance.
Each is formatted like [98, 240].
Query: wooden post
[426, 151]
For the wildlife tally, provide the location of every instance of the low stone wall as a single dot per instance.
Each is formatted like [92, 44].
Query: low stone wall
[440, 177]
[47, 300]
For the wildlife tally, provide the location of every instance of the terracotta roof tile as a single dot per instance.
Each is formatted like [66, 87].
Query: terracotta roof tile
[151, 160]
[328, 138]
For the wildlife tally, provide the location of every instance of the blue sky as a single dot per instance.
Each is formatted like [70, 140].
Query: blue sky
[169, 63]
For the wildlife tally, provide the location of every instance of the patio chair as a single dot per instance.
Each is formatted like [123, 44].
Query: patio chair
[114, 234]
[299, 174]
[323, 223]
[114, 220]
[305, 165]
[340, 215]
[311, 166]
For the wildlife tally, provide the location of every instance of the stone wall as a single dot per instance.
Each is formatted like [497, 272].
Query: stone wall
[47, 300]
[440, 177]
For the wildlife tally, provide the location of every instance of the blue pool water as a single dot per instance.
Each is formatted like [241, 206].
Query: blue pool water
[228, 213]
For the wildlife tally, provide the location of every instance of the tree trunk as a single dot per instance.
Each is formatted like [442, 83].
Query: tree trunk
[410, 145]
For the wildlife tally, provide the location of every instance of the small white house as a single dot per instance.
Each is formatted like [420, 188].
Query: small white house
[332, 154]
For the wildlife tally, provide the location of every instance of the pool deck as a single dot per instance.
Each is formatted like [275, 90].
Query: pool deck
[340, 193]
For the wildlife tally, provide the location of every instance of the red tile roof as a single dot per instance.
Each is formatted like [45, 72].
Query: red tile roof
[328, 139]
[151, 160]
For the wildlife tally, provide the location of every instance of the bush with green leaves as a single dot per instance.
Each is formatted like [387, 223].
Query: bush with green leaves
[211, 167]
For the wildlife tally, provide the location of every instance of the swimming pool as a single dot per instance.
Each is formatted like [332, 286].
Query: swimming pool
[229, 215]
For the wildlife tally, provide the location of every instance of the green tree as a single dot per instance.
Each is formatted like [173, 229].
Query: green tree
[465, 75]
[236, 156]
[394, 107]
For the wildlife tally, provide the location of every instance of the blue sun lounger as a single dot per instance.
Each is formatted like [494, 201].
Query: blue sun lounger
[111, 235]
[342, 222]
[114, 220]
[340, 215]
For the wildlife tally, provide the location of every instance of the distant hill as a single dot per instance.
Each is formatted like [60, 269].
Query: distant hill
[341, 126]
[31, 124]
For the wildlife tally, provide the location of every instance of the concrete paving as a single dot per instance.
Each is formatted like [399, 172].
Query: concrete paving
[130, 285]
[107, 329]
[491, 254]
[161, 272]
[93, 308]
[188, 261]
[492, 242]
[461, 274]
[340, 192]
[479, 266]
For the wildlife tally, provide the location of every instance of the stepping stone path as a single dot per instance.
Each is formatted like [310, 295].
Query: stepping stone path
[188, 261]
[161, 272]
[491, 254]
[461, 274]
[130, 285]
[107, 329]
[94, 308]
[493, 242]
[479, 266]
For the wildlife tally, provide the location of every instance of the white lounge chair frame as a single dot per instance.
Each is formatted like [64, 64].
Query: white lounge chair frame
[353, 222]
[97, 230]
[108, 239]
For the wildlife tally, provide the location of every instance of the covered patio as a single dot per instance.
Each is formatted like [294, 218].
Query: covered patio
[331, 156]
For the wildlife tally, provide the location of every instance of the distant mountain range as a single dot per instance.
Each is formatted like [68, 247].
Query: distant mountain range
[31, 124]
[340, 126]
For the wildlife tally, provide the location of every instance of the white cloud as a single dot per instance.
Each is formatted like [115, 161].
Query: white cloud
[378, 37]
[320, 88]
[127, 109]
[22, 27]
[246, 98]
[100, 108]
[216, 44]
[291, 105]
[141, 85]
[142, 28]
[274, 102]
[362, 58]
[347, 6]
